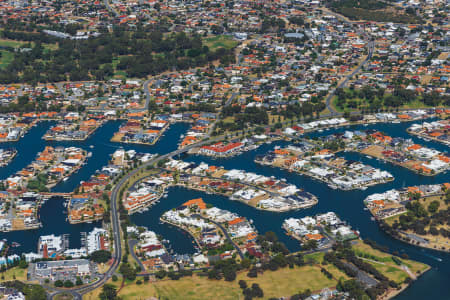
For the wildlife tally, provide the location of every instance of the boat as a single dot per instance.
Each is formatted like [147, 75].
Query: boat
[89, 154]
[91, 146]
[15, 244]
[65, 178]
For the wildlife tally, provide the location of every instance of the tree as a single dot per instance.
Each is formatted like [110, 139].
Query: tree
[101, 256]
[229, 274]
[433, 207]
[36, 292]
[23, 264]
[310, 245]
[161, 274]
[79, 281]
[242, 284]
[59, 283]
[68, 284]
[127, 271]
[109, 292]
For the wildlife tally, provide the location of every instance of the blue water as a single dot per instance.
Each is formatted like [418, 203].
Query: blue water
[347, 204]
[51, 214]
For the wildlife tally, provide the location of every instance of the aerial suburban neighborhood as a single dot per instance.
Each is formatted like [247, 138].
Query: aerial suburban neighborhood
[224, 149]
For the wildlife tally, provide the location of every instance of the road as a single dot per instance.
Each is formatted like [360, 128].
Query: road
[343, 83]
[115, 222]
[131, 244]
[147, 93]
[110, 9]
[225, 232]
[370, 47]
[232, 97]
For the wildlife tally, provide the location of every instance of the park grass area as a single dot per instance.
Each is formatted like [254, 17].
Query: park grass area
[118, 73]
[103, 268]
[274, 119]
[315, 257]
[326, 111]
[15, 273]
[223, 41]
[6, 58]
[393, 273]
[435, 241]
[17, 44]
[426, 201]
[415, 104]
[11, 43]
[63, 296]
[283, 282]
[141, 174]
[383, 262]
[391, 220]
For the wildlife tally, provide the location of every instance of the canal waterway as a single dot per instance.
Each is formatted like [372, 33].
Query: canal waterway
[347, 204]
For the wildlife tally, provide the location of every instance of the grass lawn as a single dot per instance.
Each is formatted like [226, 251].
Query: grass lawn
[274, 119]
[139, 175]
[21, 274]
[63, 296]
[326, 111]
[317, 257]
[391, 220]
[390, 268]
[346, 108]
[6, 58]
[218, 41]
[11, 43]
[120, 74]
[426, 202]
[283, 282]
[393, 273]
[414, 105]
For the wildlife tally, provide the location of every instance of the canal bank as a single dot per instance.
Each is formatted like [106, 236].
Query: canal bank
[52, 213]
[347, 204]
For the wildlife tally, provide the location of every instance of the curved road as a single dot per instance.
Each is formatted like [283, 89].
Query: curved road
[115, 222]
[241, 255]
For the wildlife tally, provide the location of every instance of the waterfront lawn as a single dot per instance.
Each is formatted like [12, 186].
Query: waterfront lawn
[383, 262]
[393, 273]
[435, 241]
[283, 282]
[315, 257]
[8, 275]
